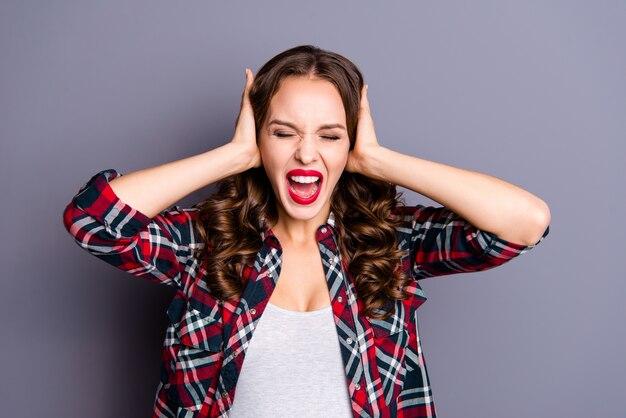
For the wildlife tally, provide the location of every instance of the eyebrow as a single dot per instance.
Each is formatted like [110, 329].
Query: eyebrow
[291, 125]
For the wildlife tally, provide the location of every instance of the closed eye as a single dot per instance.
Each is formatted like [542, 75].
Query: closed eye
[288, 135]
[282, 134]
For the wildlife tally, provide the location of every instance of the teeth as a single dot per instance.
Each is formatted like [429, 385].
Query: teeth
[304, 179]
[310, 194]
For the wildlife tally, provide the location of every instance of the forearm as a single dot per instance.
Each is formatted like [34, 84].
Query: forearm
[154, 189]
[487, 202]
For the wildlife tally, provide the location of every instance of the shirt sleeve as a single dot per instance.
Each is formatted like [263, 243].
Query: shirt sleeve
[444, 243]
[157, 248]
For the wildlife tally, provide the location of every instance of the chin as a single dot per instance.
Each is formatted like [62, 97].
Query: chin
[303, 212]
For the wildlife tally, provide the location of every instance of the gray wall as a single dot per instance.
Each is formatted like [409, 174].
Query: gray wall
[532, 92]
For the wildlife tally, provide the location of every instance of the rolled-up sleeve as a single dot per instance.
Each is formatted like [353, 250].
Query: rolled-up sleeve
[158, 248]
[444, 243]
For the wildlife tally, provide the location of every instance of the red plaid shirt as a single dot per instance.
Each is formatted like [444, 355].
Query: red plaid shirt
[206, 341]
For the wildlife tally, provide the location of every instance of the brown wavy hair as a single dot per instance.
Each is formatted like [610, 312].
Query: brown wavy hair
[231, 220]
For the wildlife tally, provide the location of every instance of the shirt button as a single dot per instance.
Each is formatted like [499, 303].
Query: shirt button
[340, 299]
[357, 386]
[324, 230]
[252, 311]
[349, 340]
[224, 394]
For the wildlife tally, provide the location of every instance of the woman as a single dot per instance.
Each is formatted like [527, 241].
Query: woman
[306, 231]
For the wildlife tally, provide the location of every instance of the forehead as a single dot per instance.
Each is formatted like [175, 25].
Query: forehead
[307, 101]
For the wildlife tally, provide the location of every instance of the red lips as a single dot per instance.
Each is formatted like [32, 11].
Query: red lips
[304, 173]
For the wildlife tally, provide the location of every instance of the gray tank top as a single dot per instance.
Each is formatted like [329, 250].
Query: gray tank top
[293, 368]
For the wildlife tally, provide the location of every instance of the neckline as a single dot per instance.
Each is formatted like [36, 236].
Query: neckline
[299, 313]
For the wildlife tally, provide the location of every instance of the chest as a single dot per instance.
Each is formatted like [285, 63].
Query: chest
[208, 345]
[301, 284]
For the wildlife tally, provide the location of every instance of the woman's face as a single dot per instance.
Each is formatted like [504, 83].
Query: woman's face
[304, 147]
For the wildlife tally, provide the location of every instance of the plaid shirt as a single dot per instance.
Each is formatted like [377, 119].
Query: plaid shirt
[206, 341]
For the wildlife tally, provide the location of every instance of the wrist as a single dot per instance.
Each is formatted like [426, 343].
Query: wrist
[375, 163]
[242, 156]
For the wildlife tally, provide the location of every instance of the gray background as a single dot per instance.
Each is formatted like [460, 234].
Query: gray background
[533, 92]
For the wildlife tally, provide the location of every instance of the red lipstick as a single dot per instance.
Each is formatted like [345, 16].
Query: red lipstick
[304, 177]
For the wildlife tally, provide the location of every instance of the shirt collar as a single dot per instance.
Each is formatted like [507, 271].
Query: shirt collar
[331, 219]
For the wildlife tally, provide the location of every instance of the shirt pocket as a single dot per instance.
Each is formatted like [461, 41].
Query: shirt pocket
[198, 356]
[391, 337]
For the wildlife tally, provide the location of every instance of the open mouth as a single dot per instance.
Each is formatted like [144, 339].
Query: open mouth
[304, 185]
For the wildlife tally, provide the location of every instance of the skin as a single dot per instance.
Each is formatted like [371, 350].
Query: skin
[485, 201]
[295, 135]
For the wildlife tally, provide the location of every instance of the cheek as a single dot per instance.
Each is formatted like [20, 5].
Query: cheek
[343, 155]
[261, 143]
[269, 166]
[337, 162]
[267, 157]
[273, 159]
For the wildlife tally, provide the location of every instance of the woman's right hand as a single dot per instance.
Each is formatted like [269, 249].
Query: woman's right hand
[245, 129]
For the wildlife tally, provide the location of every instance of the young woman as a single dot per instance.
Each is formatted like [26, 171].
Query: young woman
[304, 245]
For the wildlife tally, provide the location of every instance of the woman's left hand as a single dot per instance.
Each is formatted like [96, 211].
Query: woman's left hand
[366, 143]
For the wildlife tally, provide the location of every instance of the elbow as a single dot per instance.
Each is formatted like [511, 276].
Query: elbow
[525, 225]
[540, 219]
[69, 219]
[528, 225]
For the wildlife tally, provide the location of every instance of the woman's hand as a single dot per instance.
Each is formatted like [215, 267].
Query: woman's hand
[366, 144]
[245, 130]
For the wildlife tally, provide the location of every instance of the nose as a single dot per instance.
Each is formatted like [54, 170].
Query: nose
[306, 151]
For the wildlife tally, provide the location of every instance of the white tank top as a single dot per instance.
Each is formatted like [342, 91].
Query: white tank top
[293, 368]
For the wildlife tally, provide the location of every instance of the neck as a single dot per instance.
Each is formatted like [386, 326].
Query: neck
[298, 231]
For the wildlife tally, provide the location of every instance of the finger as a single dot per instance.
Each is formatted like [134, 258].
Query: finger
[249, 79]
[365, 104]
[365, 127]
